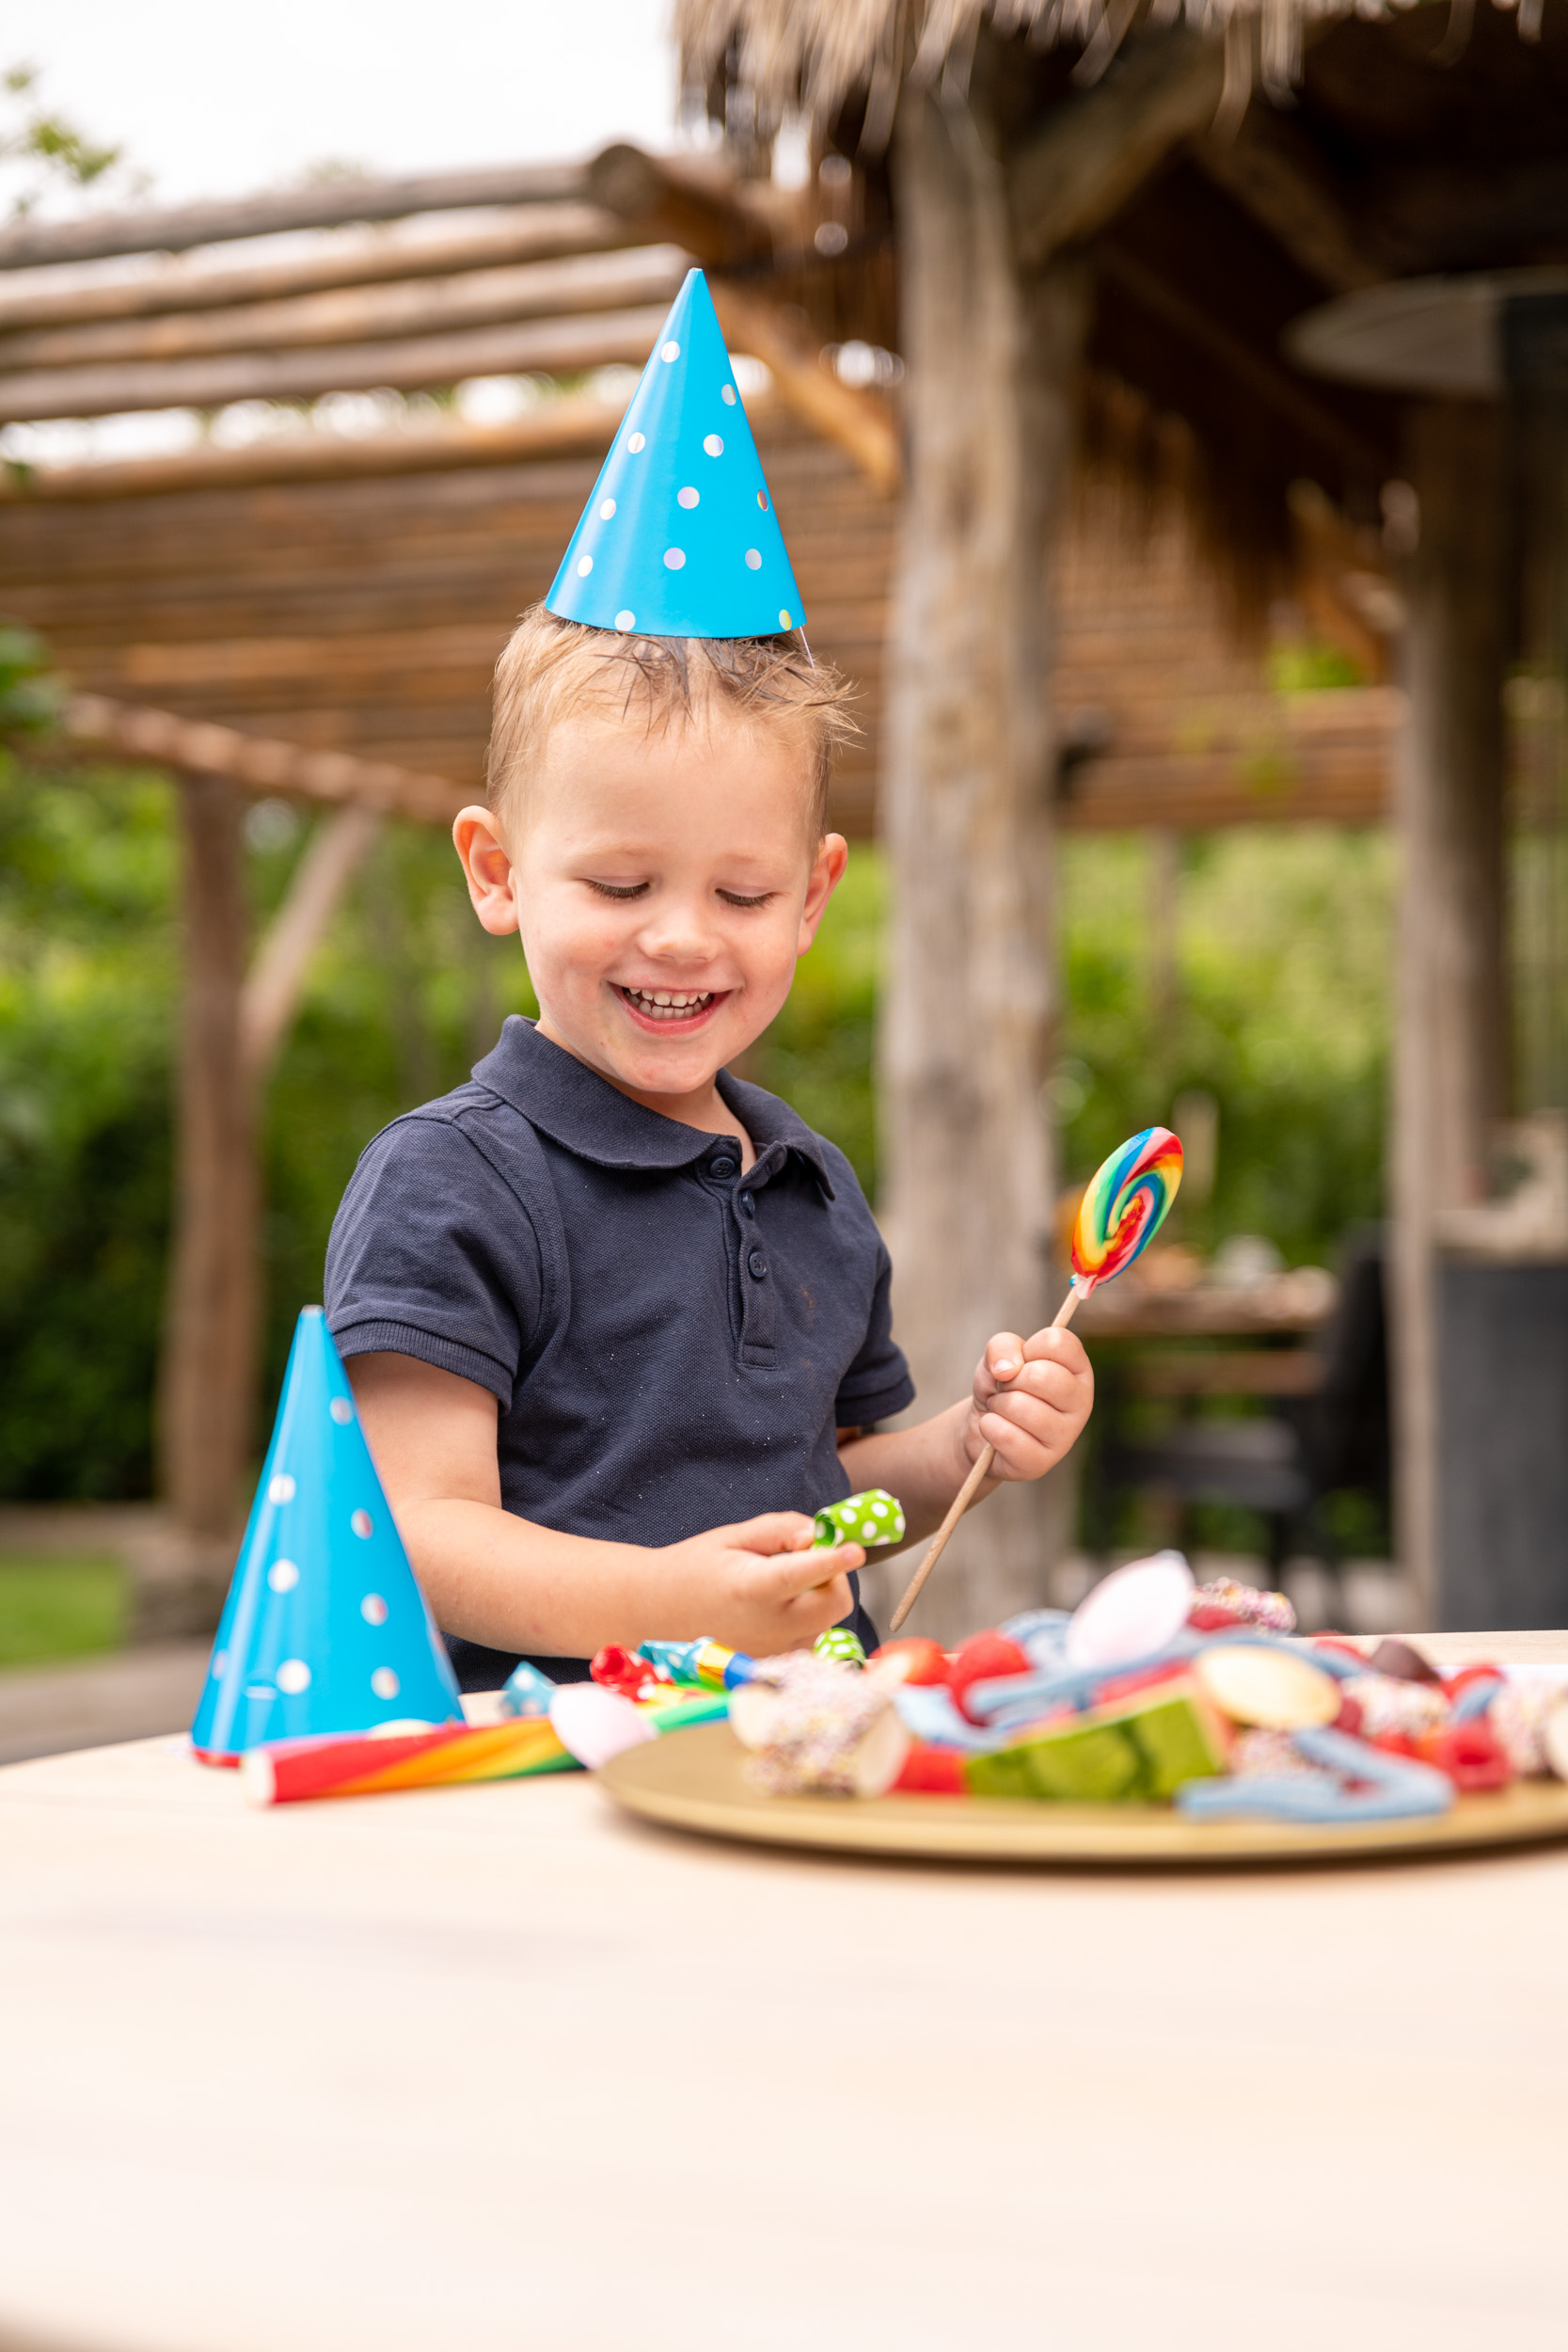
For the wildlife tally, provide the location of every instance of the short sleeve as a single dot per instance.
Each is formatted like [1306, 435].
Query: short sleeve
[433, 1255]
[878, 1382]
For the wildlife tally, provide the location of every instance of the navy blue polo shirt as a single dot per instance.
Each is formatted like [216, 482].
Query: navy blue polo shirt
[673, 1344]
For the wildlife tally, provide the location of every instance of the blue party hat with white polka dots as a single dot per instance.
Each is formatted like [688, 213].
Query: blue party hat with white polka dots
[324, 1629]
[679, 538]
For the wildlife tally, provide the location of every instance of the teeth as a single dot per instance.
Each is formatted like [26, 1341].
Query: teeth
[672, 1003]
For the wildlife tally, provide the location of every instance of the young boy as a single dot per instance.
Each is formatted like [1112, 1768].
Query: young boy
[616, 1321]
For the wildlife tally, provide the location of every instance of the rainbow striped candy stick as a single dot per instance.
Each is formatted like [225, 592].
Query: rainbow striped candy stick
[1122, 1209]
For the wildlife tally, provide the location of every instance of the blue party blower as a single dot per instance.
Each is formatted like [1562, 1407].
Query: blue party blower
[324, 1629]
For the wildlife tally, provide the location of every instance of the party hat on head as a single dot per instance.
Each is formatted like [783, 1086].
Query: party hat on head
[679, 538]
[324, 1629]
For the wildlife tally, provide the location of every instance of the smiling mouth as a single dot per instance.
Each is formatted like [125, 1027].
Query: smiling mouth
[669, 1005]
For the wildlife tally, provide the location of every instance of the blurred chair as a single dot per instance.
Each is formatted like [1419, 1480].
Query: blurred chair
[1324, 1427]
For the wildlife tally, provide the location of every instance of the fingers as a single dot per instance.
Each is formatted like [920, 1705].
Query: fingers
[1033, 1419]
[1003, 1359]
[772, 1532]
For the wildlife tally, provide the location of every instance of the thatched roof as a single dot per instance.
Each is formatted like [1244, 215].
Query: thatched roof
[813, 56]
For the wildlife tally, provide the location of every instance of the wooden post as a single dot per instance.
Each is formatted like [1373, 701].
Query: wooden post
[1450, 1051]
[966, 807]
[210, 1341]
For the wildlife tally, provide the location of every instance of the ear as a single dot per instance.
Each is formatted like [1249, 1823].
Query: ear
[826, 874]
[488, 870]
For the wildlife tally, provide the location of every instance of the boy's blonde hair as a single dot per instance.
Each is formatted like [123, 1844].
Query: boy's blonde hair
[552, 669]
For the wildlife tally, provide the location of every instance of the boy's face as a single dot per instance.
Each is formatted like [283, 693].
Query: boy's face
[663, 886]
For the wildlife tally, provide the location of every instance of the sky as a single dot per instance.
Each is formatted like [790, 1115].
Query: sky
[213, 99]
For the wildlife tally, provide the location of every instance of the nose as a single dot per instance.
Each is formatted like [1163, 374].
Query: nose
[678, 930]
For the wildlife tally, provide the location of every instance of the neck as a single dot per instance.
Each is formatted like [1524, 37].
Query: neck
[703, 1107]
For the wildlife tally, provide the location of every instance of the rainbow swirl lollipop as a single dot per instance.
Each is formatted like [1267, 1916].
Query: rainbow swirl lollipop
[1125, 1206]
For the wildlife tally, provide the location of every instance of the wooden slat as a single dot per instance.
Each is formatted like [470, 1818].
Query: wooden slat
[560, 346]
[176, 228]
[537, 233]
[363, 314]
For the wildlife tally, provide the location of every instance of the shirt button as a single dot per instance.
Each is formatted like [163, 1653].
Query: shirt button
[748, 1204]
[757, 1264]
[722, 1167]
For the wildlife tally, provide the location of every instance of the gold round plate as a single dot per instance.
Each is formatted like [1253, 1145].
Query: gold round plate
[696, 1780]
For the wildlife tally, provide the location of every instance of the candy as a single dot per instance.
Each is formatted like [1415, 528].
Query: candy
[1404, 1661]
[1145, 1748]
[872, 1518]
[840, 1643]
[526, 1692]
[1123, 1207]
[1131, 1614]
[914, 1660]
[928, 1771]
[1222, 1602]
[1518, 1717]
[816, 1729]
[354, 1765]
[984, 1657]
[1472, 1756]
[1271, 1687]
[594, 1725]
[1258, 1755]
[1355, 1782]
[1554, 1739]
[1394, 1710]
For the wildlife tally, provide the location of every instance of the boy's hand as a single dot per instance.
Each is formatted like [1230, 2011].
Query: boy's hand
[1031, 1399]
[758, 1586]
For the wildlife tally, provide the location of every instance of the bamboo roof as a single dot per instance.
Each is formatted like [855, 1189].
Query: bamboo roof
[337, 604]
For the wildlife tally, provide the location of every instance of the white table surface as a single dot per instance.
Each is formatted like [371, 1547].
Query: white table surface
[498, 2066]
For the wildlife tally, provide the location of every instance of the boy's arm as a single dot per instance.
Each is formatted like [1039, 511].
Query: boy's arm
[505, 1581]
[1030, 1400]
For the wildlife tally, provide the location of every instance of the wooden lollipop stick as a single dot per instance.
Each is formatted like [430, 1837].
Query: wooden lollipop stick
[966, 1493]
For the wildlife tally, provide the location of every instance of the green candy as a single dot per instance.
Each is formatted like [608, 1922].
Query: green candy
[840, 1643]
[873, 1518]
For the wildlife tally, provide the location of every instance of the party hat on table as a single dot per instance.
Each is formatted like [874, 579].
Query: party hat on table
[679, 538]
[324, 1629]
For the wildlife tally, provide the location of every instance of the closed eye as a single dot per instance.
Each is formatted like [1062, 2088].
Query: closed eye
[734, 899]
[619, 890]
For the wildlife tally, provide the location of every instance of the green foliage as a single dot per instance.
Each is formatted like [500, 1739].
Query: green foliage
[1304, 665]
[86, 1000]
[57, 1608]
[1281, 1011]
[43, 147]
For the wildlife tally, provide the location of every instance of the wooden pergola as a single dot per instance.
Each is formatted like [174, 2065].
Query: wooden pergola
[317, 615]
[1078, 197]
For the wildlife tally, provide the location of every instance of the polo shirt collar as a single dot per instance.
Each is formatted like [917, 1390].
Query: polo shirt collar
[578, 1109]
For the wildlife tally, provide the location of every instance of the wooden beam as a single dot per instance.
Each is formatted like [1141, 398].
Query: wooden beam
[256, 764]
[1096, 149]
[859, 422]
[276, 979]
[167, 288]
[692, 205]
[208, 1372]
[560, 346]
[31, 244]
[421, 306]
[572, 426]
[1450, 1056]
[1279, 176]
[968, 1017]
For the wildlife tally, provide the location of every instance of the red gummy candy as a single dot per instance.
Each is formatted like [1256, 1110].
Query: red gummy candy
[1212, 1616]
[1472, 1756]
[930, 1772]
[984, 1657]
[927, 1661]
[622, 1670]
[1468, 1675]
[1349, 1717]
